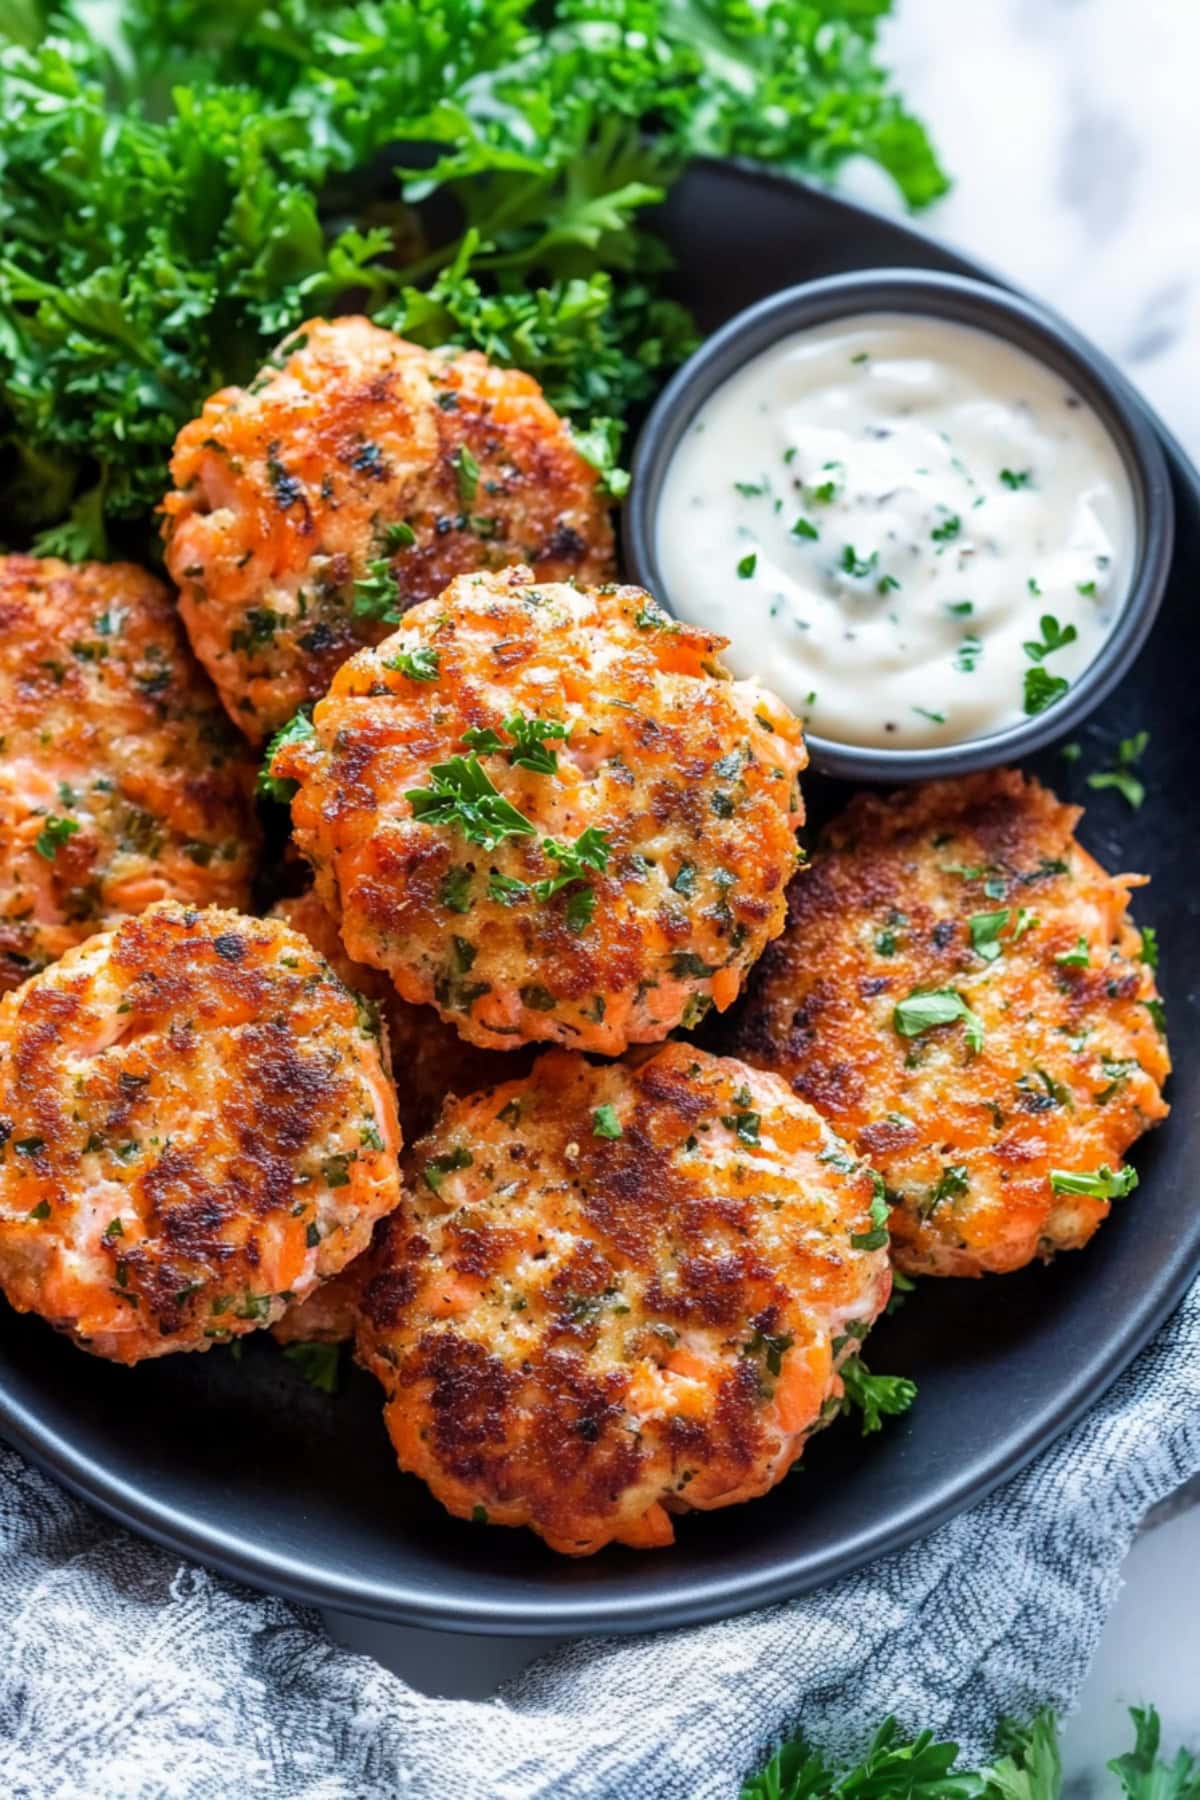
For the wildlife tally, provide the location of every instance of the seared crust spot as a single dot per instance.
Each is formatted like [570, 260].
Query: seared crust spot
[674, 789]
[139, 1221]
[617, 1290]
[977, 888]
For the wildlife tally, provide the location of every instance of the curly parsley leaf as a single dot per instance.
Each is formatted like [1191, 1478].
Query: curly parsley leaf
[203, 156]
[298, 730]
[1027, 1766]
[464, 795]
[420, 664]
[529, 740]
[874, 1397]
[1054, 637]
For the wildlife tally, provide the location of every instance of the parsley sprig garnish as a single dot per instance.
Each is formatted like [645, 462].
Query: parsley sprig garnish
[200, 200]
[463, 794]
[874, 1397]
[529, 740]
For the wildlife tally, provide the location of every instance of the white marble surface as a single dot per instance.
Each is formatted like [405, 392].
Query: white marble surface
[1073, 130]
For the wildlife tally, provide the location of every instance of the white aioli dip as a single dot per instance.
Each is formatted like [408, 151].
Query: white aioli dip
[916, 532]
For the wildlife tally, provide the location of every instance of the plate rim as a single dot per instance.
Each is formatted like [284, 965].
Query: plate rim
[701, 1599]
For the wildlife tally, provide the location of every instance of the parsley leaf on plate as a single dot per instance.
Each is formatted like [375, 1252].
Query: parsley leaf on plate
[874, 1397]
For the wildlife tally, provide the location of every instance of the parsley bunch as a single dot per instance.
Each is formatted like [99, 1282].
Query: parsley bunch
[181, 184]
[1027, 1766]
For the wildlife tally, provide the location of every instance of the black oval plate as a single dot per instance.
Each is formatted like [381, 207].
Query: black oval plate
[240, 1465]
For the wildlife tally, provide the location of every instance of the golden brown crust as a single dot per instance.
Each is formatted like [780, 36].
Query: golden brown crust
[121, 782]
[429, 1059]
[1071, 1064]
[197, 1127]
[619, 1291]
[430, 1062]
[689, 777]
[284, 493]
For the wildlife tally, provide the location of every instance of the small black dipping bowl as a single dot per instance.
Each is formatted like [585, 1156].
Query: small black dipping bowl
[1029, 327]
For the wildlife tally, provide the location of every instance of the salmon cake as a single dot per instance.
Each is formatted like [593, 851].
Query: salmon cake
[618, 1292]
[961, 993]
[121, 781]
[549, 812]
[430, 1062]
[357, 475]
[196, 1128]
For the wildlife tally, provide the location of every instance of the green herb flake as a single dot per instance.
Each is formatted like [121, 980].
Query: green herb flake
[605, 1123]
[376, 595]
[952, 1183]
[53, 835]
[1121, 776]
[744, 1125]
[855, 565]
[1054, 637]
[455, 891]
[466, 471]
[747, 566]
[926, 1008]
[419, 665]
[298, 730]
[1100, 1184]
[437, 1168]
[319, 1364]
[985, 929]
[1042, 689]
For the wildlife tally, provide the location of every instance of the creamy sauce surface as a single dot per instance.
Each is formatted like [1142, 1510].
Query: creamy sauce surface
[912, 530]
